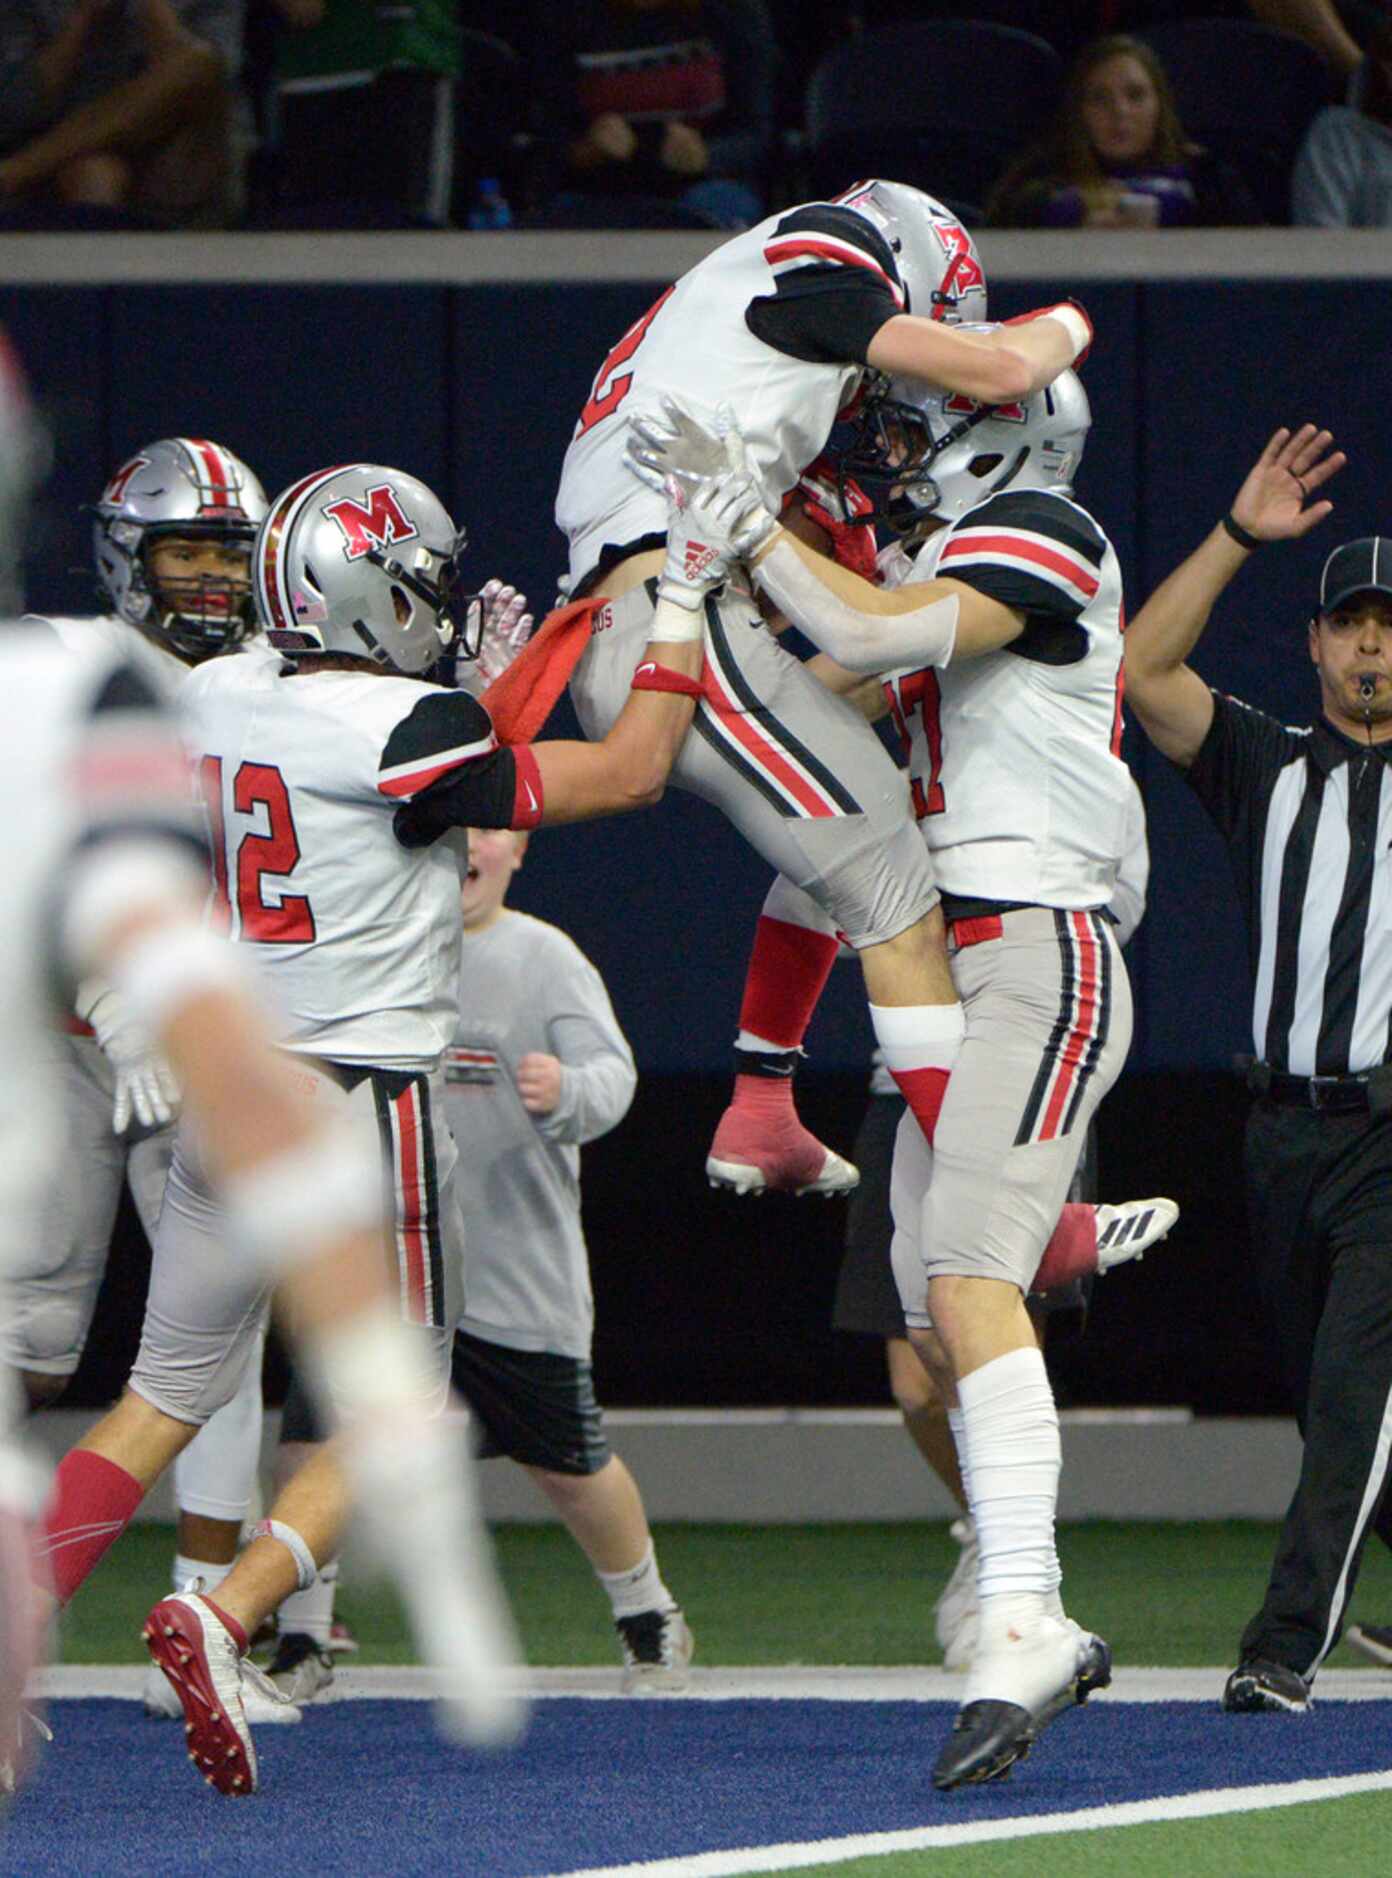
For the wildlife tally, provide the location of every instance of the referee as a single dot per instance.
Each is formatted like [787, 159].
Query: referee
[1306, 816]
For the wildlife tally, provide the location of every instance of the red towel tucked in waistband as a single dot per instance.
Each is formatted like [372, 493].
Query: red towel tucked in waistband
[521, 700]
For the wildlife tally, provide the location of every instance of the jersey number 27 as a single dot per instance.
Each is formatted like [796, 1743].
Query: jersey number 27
[270, 847]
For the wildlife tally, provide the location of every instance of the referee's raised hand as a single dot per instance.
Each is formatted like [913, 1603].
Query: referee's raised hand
[1274, 503]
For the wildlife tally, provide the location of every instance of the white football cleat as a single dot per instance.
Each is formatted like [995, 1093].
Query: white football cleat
[956, 1612]
[1129, 1231]
[1028, 1672]
[189, 1642]
[160, 1700]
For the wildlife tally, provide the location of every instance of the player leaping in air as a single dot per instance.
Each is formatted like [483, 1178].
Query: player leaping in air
[1009, 706]
[782, 323]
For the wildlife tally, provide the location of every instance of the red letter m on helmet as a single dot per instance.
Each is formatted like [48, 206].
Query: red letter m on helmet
[376, 523]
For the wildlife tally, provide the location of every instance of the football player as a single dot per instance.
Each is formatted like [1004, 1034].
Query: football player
[1012, 728]
[172, 536]
[105, 873]
[781, 324]
[335, 779]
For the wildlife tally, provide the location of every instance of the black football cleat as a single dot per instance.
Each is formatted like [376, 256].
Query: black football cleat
[986, 1741]
[989, 1736]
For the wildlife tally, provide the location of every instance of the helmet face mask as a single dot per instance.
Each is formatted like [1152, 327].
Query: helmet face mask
[923, 453]
[363, 562]
[179, 490]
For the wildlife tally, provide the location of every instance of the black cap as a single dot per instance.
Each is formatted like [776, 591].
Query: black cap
[1358, 567]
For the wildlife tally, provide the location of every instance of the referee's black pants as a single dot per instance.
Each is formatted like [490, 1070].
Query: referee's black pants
[1319, 1196]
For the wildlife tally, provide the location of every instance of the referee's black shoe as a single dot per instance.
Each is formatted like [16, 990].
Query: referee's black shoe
[1259, 1686]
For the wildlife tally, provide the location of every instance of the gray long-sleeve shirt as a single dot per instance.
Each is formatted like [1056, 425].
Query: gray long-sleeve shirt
[526, 987]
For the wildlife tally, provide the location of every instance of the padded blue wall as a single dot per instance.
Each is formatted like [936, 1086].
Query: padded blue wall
[475, 389]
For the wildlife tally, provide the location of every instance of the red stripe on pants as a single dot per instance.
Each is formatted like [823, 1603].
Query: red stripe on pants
[1084, 1028]
[410, 1220]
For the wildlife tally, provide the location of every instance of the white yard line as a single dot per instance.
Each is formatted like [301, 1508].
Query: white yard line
[757, 1858]
[66, 1681]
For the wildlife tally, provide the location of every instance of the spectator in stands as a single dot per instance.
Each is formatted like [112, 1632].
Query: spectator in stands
[1117, 156]
[360, 114]
[654, 103]
[119, 107]
[1343, 175]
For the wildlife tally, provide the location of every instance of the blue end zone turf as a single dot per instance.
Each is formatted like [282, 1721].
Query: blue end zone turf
[366, 1787]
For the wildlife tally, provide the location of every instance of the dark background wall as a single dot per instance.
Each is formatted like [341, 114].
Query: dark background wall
[475, 389]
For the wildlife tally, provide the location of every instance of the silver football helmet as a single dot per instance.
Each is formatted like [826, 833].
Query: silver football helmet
[195, 490]
[939, 453]
[364, 562]
[937, 258]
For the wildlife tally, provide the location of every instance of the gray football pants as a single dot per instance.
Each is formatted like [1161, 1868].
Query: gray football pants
[207, 1307]
[1047, 1005]
[797, 770]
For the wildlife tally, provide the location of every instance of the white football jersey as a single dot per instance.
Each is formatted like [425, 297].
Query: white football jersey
[357, 937]
[1017, 782]
[774, 324]
[81, 751]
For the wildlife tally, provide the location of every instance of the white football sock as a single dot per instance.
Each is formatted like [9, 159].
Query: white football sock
[638, 1589]
[310, 1613]
[1012, 1458]
[184, 1569]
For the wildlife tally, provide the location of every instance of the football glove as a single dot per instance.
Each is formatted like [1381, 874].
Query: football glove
[146, 1089]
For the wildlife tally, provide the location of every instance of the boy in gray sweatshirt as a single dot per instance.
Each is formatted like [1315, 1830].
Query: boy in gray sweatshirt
[538, 1067]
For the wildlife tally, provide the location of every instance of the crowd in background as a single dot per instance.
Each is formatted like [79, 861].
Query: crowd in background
[1150, 114]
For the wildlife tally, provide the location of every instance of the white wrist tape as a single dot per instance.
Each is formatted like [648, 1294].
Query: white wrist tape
[862, 642]
[282, 1212]
[170, 967]
[676, 624]
[115, 879]
[1074, 325]
[294, 1544]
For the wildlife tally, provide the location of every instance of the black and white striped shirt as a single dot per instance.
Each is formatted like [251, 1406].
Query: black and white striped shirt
[1307, 816]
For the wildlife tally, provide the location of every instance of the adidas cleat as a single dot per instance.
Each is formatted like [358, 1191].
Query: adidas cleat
[1129, 1231]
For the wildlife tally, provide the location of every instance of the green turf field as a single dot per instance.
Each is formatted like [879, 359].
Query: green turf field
[1162, 1594]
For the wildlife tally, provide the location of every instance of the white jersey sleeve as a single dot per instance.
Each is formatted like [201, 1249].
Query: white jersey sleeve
[776, 324]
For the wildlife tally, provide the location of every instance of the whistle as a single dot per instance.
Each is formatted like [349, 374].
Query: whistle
[1367, 688]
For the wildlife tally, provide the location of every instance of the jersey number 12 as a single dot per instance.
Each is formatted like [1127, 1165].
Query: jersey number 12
[259, 790]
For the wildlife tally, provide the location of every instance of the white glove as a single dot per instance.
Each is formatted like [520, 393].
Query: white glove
[145, 1084]
[507, 626]
[715, 508]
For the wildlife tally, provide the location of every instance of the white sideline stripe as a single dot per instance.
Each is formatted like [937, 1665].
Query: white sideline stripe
[1208, 1805]
[73, 1681]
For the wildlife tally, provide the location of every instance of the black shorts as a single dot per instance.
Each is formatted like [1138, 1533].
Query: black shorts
[531, 1405]
[867, 1298]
